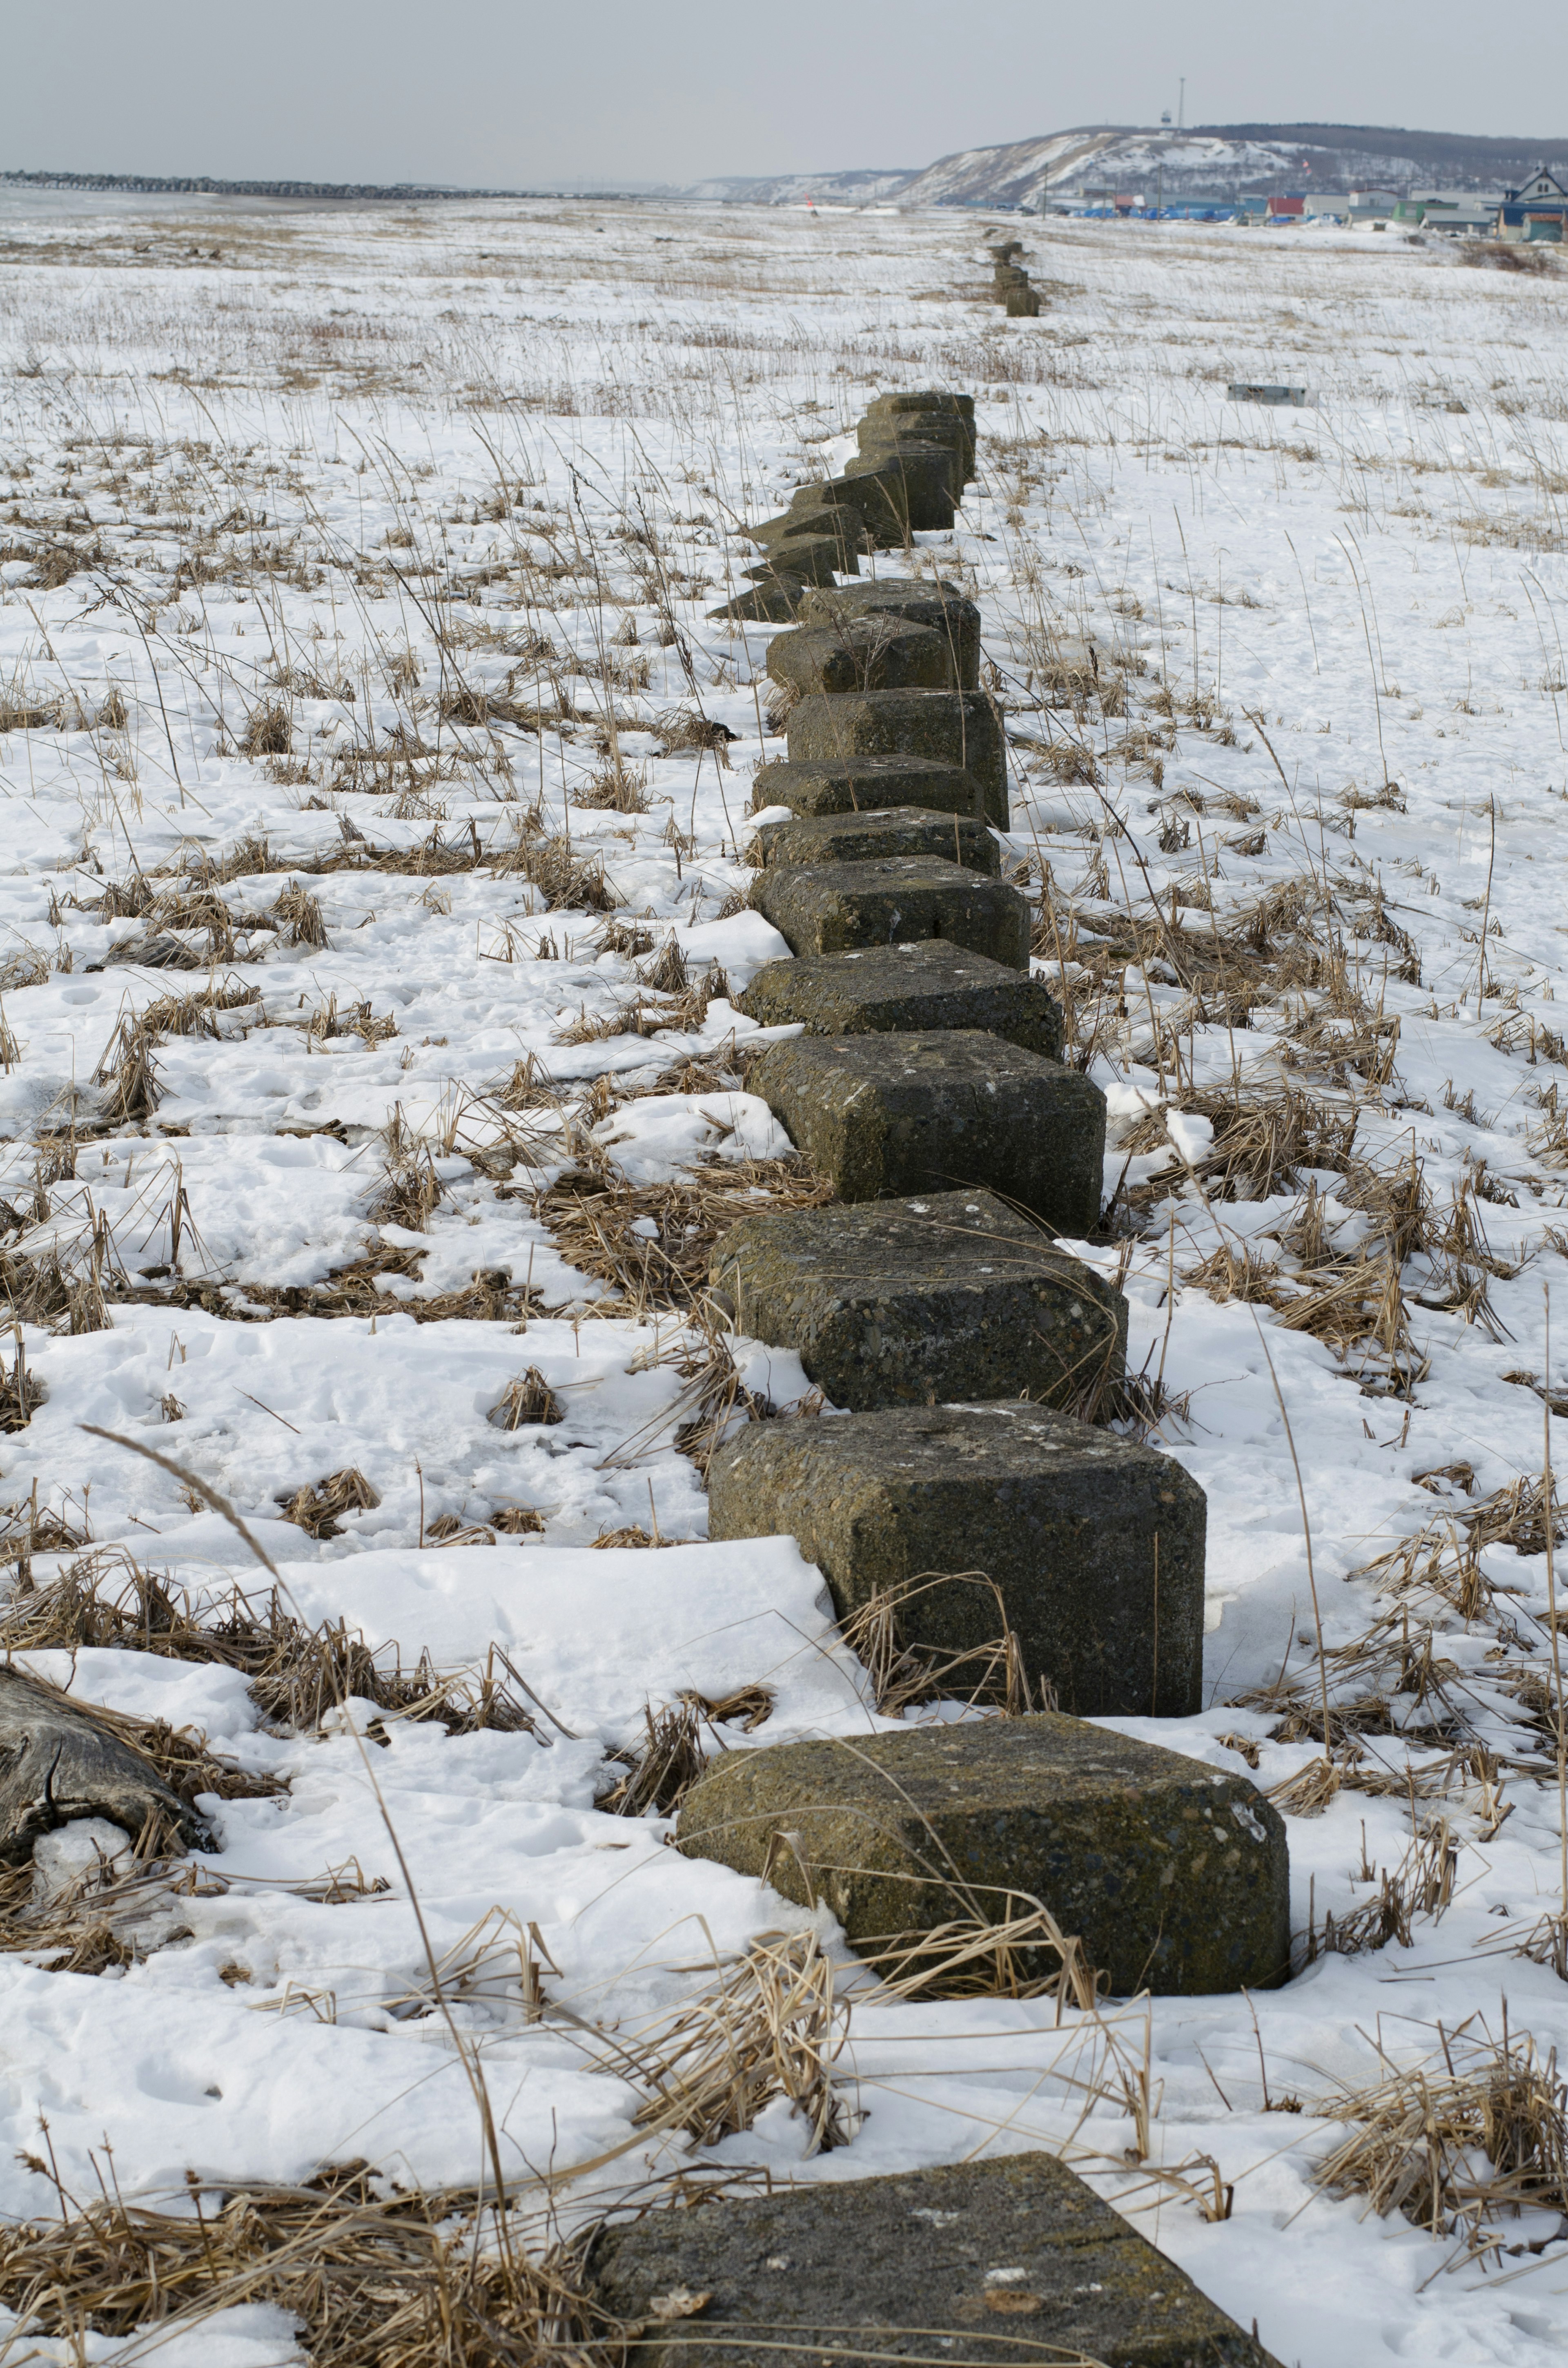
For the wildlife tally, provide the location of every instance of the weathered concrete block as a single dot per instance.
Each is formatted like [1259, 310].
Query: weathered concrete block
[889, 499]
[1096, 1543]
[913, 1303]
[949, 727]
[906, 990]
[842, 527]
[907, 407]
[940, 605]
[823, 909]
[813, 558]
[772, 602]
[885, 1115]
[1023, 302]
[884, 830]
[922, 483]
[862, 653]
[886, 431]
[832, 788]
[1012, 2261]
[1174, 1876]
[936, 467]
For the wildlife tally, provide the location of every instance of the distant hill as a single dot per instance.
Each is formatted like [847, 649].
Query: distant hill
[1224, 159]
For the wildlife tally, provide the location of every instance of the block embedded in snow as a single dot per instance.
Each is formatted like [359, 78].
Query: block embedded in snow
[1172, 1875]
[834, 789]
[923, 1114]
[940, 605]
[823, 909]
[883, 831]
[1095, 1543]
[949, 727]
[905, 989]
[862, 653]
[1015, 2262]
[906, 1303]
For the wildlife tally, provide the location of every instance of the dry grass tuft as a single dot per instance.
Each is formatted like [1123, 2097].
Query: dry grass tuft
[269, 731]
[1458, 2144]
[906, 1672]
[768, 2027]
[315, 1509]
[300, 913]
[529, 1400]
[374, 2280]
[297, 1674]
[592, 1216]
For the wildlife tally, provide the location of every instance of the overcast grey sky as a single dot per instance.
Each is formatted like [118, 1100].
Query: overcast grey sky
[516, 93]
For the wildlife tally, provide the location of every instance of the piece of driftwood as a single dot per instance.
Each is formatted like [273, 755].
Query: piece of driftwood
[57, 1761]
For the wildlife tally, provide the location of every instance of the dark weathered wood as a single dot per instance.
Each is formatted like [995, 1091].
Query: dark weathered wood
[57, 1761]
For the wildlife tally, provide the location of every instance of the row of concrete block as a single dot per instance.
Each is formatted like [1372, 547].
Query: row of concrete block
[932, 1301]
[915, 456]
[1010, 284]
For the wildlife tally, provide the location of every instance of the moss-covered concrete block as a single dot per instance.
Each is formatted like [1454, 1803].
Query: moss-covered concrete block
[1014, 2261]
[862, 653]
[813, 789]
[1174, 1876]
[914, 600]
[949, 727]
[909, 1303]
[906, 990]
[1095, 1543]
[882, 831]
[823, 908]
[885, 1115]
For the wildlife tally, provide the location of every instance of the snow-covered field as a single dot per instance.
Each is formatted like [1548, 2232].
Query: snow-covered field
[353, 664]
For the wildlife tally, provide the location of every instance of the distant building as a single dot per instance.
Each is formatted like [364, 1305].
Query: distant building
[1286, 209]
[1536, 210]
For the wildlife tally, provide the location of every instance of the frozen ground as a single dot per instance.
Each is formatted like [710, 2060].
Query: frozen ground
[353, 575]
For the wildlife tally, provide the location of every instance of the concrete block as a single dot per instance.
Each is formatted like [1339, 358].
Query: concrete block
[882, 831]
[1096, 1543]
[772, 602]
[885, 1115]
[906, 990]
[936, 465]
[862, 653]
[905, 408]
[842, 527]
[823, 909]
[921, 1301]
[1173, 1875]
[1014, 2261]
[887, 499]
[949, 727]
[833, 788]
[921, 483]
[944, 430]
[1023, 302]
[940, 605]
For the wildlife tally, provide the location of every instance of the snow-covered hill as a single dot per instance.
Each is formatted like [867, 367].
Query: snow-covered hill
[1226, 159]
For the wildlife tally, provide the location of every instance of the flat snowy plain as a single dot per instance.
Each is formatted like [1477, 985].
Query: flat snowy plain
[424, 511]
